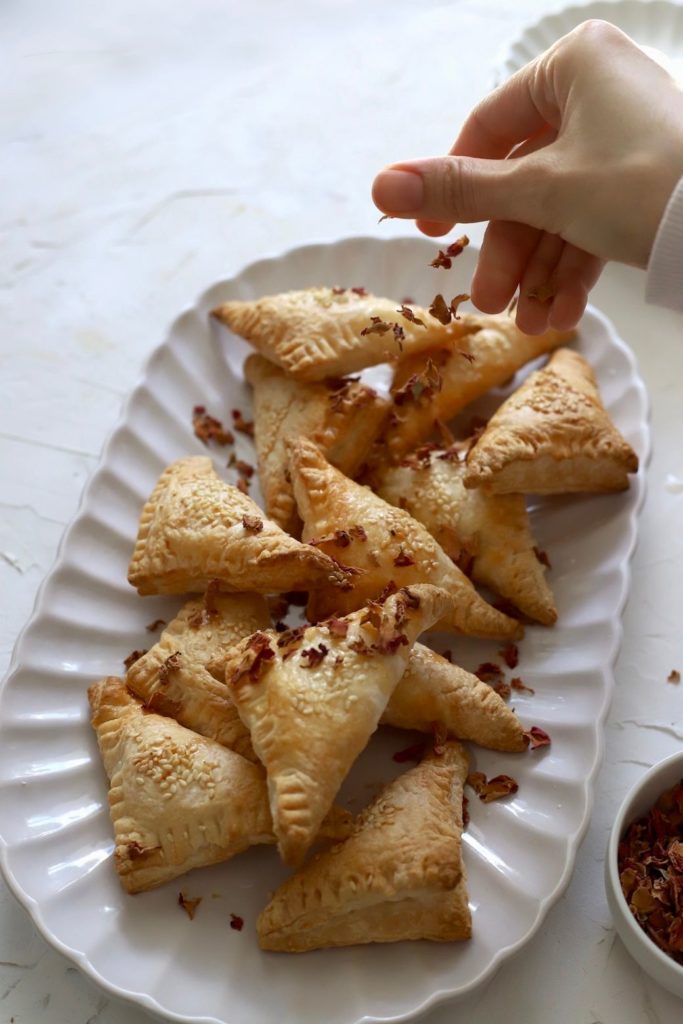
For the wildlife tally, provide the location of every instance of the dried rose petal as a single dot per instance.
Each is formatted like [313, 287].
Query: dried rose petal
[403, 559]
[408, 313]
[208, 428]
[314, 655]
[441, 260]
[488, 671]
[133, 657]
[376, 326]
[252, 524]
[456, 247]
[519, 684]
[542, 557]
[152, 627]
[188, 904]
[537, 737]
[167, 666]
[455, 302]
[359, 291]
[510, 655]
[236, 922]
[491, 789]
[439, 310]
[239, 423]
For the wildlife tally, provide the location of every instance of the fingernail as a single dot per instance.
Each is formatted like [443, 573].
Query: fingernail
[398, 191]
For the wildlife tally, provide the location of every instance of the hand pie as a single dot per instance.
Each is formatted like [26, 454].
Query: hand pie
[195, 529]
[313, 696]
[398, 876]
[182, 675]
[316, 333]
[384, 543]
[436, 385]
[552, 436]
[488, 536]
[177, 800]
[343, 417]
[432, 690]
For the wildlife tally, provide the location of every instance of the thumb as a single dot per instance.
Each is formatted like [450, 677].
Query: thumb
[463, 189]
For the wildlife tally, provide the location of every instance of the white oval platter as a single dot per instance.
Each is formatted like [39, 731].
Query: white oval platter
[55, 835]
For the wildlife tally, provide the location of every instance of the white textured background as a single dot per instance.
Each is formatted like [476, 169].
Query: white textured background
[151, 148]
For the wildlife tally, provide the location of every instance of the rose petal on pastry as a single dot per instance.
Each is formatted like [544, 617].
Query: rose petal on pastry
[432, 690]
[177, 800]
[398, 876]
[182, 676]
[312, 698]
[396, 548]
[316, 333]
[491, 349]
[488, 536]
[342, 416]
[552, 436]
[192, 531]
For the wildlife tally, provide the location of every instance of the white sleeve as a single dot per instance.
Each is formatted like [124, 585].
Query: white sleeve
[664, 285]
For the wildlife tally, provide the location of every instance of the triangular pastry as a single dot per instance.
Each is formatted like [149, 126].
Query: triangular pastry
[196, 529]
[552, 436]
[434, 691]
[398, 876]
[316, 333]
[182, 675]
[312, 697]
[437, 384]
[488, 536]
[384, 543]
[342, 416]
[177, 800]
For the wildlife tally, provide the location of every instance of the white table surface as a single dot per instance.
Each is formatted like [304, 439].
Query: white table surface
[151, 148]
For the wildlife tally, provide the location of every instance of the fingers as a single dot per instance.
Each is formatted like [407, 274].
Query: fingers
[576, 273]
[505, 252]
[433, 228]
[532, 313]
[463, 190]
[519, 109]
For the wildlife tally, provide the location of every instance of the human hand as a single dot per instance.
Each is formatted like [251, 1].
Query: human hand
[572, 160]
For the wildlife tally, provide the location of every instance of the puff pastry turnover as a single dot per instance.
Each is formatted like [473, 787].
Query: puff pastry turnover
[383, 543]
[316, 333]
[488, 536]
[182, 675]
[437, 384]
[195, 529]
[398, 876]
[342, 416]
[177, 800]
[312, 698]
[432, 690]
[552, 436]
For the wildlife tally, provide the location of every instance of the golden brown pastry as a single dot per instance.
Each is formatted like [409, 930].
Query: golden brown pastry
[384, 543]
[488, 536]
[343, 417]
[312, 697]
[177, 800]
[316, 333]
[182, 675]
[433, 691]
[196, 529]
[398, 876]
[437, 384]
[552, 436]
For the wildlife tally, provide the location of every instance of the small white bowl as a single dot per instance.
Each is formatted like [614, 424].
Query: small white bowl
[638, 801]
